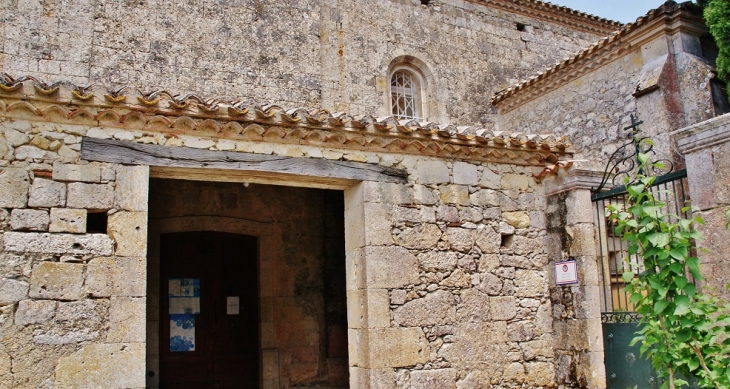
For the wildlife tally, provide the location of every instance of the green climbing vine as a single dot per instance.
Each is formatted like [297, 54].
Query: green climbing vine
[717, 18]
[682, 332]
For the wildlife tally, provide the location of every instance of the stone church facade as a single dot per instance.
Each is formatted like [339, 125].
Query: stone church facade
[310, 194]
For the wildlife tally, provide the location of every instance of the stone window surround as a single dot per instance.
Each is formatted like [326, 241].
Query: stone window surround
[269, 356]
[424, 79]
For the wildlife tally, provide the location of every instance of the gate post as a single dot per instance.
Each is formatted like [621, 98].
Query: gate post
[576, 308]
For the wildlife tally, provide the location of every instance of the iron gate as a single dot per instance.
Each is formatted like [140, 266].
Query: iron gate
[625, 368]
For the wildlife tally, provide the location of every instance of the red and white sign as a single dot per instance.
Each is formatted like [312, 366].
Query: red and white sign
[566, 273]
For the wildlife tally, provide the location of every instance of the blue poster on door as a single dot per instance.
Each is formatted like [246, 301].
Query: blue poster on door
[184, 294]
[182, 333]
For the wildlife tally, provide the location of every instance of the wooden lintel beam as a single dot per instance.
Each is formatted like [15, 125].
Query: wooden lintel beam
[259, 165]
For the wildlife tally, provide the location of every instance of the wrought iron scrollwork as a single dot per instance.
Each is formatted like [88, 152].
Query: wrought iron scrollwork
[620, 317]
[624, 162]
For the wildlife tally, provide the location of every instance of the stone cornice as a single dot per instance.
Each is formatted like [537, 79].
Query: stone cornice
[665, 20]
[163, 112]
[702, 135]
[556, 14]
[573, 179]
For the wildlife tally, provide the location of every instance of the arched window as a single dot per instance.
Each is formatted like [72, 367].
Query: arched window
[405, 94]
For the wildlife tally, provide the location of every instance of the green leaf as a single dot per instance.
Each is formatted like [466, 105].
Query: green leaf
[678, 253]
[628, 276]
[660, 306]
[635, 190]
[693, 264]
[680, 282]
[690, 289]
[659, 239]
[683, 305]
[693, 364]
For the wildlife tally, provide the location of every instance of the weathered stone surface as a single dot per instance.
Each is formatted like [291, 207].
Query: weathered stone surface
[15, 184]
[47, 193]
[54, 280]
[33, 242]
[490, 179]
[81, 173]
[129, 231]
[490, 284]
[514, 372]
[442, 261]
[99, 277]
[12, 265]
[368, 308]
[454, 194]
[132, 189]
[390, 267]
[474, 215]
[540, 374]
[530, 283]
[378, 224]
[502, 308]
[35, 312]
[474, 306]
[422, 236]
[485, 198]
[457, 279]
[522, 245]
[447, 213]
[465, 173]
[396, 347]
[68, 220]
[130, 276]
[515, 181]
[432, 172]
[433, 379]
[435, 308]
[521, 331]
[518, 219]
[103, 366]
[90, 196]
[460, 239]
[487, 239]
[57, 337]
[12, 291]
[29, 220]
[127, 320]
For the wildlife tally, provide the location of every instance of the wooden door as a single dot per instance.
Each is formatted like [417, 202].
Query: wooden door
[224, 349]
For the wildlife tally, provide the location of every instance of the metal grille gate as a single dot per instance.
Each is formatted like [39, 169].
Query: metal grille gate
[625, 368]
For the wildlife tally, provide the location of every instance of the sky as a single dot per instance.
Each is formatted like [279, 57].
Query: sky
[623, 11]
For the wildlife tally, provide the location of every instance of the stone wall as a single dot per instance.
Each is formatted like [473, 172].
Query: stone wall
[72, 295]
[705, 146]
[314, 54]
[663, 78]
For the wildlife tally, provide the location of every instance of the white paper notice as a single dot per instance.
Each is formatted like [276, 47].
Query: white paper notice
[232, 306]
[566, 273]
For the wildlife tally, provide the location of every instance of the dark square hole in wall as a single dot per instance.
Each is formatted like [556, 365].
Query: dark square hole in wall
[425, 2]
[520, 26]
[96, 222]
[506, 241]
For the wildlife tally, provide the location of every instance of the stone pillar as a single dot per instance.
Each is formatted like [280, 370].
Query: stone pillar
[576, 309]
[706, 148]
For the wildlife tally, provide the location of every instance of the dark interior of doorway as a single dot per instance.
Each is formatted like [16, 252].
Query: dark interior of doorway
[310, 270]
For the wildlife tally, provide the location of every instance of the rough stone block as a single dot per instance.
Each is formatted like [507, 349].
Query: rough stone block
[435, 308]
[103, 366]
[454, 194]
[519, 219]
[45, 243]
[127, 320]
[388, 193]
[441, 261]
[584, 239]
[390, 267]
[80, 173]
[35, 312]
[132, 189]
[129, 231]
[485, 198]
[465, 173]
[15, 184]
[488, 240]
[579, 206]
[502, 308]
[530, 283]
[490, 180]
[422, 236]
[474, 306]
[512, 181]
[397, 347]
[423, 195]
[433, 379]
[90, 196]
[460, 239]
[432, 172]
[59, 337]
[47, 193]
[12, 291]
[29, 220]
[514, 373]
[54, 280]
[68, 220]
[540, 374]
[372, 378]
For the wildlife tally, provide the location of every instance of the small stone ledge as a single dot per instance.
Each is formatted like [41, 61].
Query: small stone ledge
[702, 135]
[573, 179]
